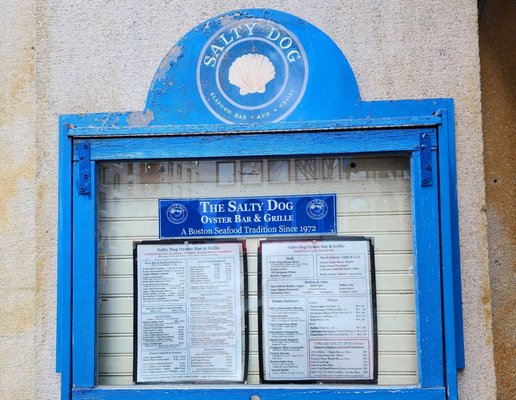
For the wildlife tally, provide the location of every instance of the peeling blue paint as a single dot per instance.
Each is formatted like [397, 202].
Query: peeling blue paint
[228, 18]
[331, 90]
[168, 62]
[138, 119]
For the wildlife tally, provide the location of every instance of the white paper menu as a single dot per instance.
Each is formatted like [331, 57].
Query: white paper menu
[317, 316]
[189, 312]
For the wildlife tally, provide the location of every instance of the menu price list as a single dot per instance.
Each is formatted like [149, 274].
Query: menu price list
[317, 322]
[189, 312]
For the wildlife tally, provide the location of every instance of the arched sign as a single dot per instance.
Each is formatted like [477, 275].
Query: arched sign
[252, 67]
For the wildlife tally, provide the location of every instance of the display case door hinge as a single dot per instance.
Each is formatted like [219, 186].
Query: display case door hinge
[83, 151]
[425, 158]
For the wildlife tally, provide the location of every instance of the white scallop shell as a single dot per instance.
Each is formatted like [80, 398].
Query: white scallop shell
[251, 72]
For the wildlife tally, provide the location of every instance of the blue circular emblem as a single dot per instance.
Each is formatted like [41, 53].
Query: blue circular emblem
[317, 209]
[252, 71]
[177, 213]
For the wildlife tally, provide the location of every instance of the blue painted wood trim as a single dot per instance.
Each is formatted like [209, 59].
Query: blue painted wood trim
[257, 145]
[264, 393]
[64, 260]
[427, 276]
[449, 140]
[84, 282]
[125, 148]
[308, 126]
[450, 266]
[383, 113]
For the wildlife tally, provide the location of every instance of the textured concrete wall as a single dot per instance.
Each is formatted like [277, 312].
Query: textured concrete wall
[101, 56]
[18, 200]
[498, 62]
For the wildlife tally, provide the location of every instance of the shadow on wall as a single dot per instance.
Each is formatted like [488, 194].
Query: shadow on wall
[498, 63]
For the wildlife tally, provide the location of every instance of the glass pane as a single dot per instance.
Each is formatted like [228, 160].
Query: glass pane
[373, 199]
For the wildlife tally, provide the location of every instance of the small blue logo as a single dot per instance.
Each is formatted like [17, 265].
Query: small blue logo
[317, 209]
[177, 213]
[252, 71]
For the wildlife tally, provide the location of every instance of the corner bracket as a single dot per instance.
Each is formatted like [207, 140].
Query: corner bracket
[83, 150]
[425, 158]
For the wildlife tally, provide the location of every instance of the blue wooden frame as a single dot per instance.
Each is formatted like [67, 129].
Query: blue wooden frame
[340, 140]
[346, 126]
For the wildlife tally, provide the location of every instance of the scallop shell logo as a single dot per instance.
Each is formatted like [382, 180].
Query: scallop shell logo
[251, 72]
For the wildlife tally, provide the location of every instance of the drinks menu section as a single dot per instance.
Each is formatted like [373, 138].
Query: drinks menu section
[189, 314]
[317, 321]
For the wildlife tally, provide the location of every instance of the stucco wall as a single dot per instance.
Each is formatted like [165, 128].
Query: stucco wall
[498, 61]
[101, 56]
[18, 201]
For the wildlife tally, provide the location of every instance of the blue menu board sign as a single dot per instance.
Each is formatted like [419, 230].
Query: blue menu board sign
[248, 216]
